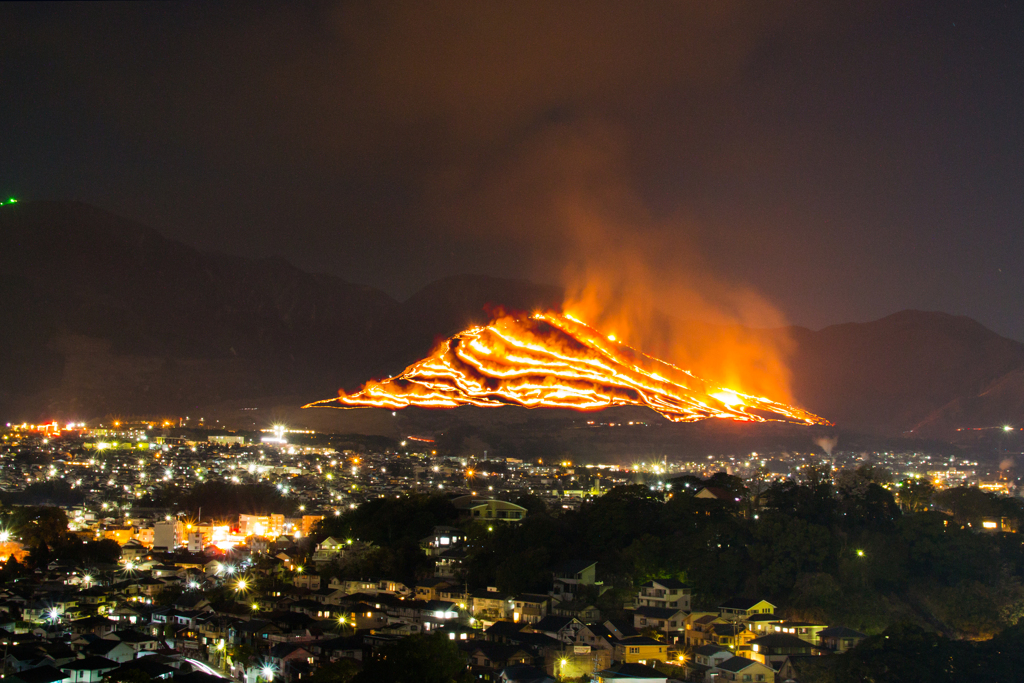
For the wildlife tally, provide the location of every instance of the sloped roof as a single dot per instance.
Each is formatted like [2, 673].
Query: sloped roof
[736, 664]
[742, 603]
[774, 641]
[840, 632]
[667, 583]
[40, 674]
[659, 612]
[92, 663]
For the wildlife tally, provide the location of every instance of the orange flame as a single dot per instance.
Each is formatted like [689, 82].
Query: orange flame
[551, 360]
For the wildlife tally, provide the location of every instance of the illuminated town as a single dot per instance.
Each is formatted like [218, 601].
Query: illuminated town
[273, 594]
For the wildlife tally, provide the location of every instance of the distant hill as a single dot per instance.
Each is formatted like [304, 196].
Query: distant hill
[912, 370]
[100, 315]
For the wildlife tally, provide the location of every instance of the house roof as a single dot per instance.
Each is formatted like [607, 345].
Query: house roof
[40, 674]
[659, 612]
[573, 567]
[284, 649]
[128, 636]
[632, 670]
[553, 623]
[840, 632]
[149, 666]
[93, 663]
[742, 603]
[667, 583]
[736, 664]
[710, 650]
[501, 628]
[639, 640]
[524, 673]
[717, 492]
[774, 641]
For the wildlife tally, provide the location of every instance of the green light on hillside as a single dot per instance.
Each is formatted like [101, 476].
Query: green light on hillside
[12, 200]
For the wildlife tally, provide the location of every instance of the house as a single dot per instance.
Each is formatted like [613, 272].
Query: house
[668, 620]
[571, 577]
[711, 655]
[441, 539]
[138, 642]
[99, 626]
[524, 673]
[437, 613]
[804, 630]
[113, 650]
[741, 669]
[491, 605]
[286, 657]
[665, 593]
[149, 666]
[715, 493]
[639, 650]
[581, 609]
[698, 628]
[839, 639]
[530, 608]
[431, 589]
[88, 669]
[488, 509]
[743, 608]
[731, 635]
[564, 629]
[448, 564]
[628, 672]
[329, 549]
[576, 662]
[497, 656]
[775, 648]
[597, 637]
[762, 624]
[310, 580]
[133, 551]
[40, 674]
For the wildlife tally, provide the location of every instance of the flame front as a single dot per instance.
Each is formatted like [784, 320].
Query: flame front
[550, 360]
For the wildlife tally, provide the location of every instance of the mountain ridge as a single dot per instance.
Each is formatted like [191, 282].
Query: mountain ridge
[104, 315]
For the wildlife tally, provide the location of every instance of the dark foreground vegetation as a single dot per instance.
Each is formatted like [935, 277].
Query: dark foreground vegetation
[900, 561]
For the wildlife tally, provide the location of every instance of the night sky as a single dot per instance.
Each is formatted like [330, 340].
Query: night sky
[842, 160]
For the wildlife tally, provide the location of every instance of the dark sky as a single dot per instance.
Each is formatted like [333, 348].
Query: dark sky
[844, 160]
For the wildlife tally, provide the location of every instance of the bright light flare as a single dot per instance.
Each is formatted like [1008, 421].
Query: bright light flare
[550, 360]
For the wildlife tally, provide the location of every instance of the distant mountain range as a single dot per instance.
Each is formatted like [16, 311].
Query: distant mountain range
[100, 315]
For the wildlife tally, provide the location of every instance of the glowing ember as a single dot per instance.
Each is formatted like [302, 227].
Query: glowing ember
[555, 361]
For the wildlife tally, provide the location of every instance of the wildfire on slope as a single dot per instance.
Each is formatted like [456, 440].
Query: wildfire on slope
[551, 360]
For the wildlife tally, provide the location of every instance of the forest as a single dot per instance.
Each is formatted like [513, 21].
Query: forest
[862, 552]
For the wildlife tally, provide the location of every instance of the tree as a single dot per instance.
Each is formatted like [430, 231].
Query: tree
[417, 659]
[915, 495]
[343, 671]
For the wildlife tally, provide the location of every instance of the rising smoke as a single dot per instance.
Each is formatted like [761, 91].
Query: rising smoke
[827, 443]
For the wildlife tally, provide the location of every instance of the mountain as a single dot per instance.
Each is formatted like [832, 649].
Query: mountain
[100, 315]
[913, 370]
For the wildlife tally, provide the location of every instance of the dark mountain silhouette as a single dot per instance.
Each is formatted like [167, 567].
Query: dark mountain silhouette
[907, 371]
[101, 315]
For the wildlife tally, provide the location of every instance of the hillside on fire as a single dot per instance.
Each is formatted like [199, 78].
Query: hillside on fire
[105, 316]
